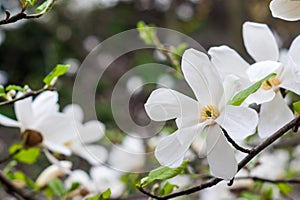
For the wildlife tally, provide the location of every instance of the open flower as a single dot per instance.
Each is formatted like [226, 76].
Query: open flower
[40, 122]
[207, 114]
[261, 45]
[285, 9]
[86, 134]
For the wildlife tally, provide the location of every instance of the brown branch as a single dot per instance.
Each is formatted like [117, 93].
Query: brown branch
[18, 193]
[234, 144]
[255, 178]
[254, 152]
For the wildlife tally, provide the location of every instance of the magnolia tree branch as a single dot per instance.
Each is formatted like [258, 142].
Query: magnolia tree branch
[22, 15]
[16, 192]
[255, 178]
[27, 94]
[253, 152]
[234, 144]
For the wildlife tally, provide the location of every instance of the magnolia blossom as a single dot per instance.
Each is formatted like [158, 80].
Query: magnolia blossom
[207, 114]
[86, 134]
[286, 9]
[40, 122]
[261, 45]
[101, 178]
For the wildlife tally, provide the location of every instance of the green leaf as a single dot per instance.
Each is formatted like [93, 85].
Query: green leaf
[284, 188]
[147, 33]
[2, 91]
[73, 187]
[106, 194]
[28, 156]
[44, 7]
[57, 187]
[15, 87]
[58, 71]
[96, 197]
[250, 196]
[22, 177]
[163, 173]
[296, 107]
[239, 98]
[168, 188]
[30, 2]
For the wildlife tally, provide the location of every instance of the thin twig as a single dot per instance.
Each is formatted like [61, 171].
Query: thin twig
[255, 178]
[234, 144]
[18, 193]
[254, 152]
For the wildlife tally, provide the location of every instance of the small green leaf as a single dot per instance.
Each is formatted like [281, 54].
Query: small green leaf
[15, 87]
[239, 98]
[250, 196]
[163, 173]
[106, 194]
[57, 187]
[28, 156]
[44, 7]
[58, 71]
[284, 188]
[2, 91]
[30, 2]
[73, 187]
[96, 197]
[22, 177]
[296, 107]
[168, 188]
[147, 33]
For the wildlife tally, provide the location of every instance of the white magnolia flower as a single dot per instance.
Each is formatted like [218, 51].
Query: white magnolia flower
[286, 9]
[129, 156]
[86, 134]
[206, 114]
[53, 171]
[41, 123]
[101, 178]
[261, 45]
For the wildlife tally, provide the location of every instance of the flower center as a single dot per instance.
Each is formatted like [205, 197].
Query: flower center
[31, 137]
[209, 112]
[269, 84]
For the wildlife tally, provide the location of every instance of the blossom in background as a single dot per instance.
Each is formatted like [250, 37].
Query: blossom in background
[40, 122]
[285, 9]
[206, 114]
[100, 179]
[129, 156]
[261, 45]
[85, 134]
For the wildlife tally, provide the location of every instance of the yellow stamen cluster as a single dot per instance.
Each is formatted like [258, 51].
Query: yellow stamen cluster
[269, 84]
[209, 112]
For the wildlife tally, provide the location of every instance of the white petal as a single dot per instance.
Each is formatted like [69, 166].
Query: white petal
[24, 113]
[45, 102]
[260, 42]
[260, 96]
[94, 154]
[164, 104]
[290, 78]
[286, 9]
[58, 148]
[79, 176]
[202, 77]
[260, 70]
[170, 151]
[5, 121]
[273, 115]
[295, 49]
[239, 122]
[220, 155]
[233, 84]
[74, 111]
[228, 62]
[92, 131]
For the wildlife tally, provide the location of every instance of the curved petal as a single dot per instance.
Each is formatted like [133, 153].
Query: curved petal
[24, 113]
[74, 111]
[228, 62]
[273, 115]
[285, 9]
[202, 77]
[295, 49]
[57, 147]
[170, 151]
[260, 96]
[220, 155]
[45, 102]
[5, 121]
[94, 154]
[260, 42]
[239, 122]
[290, 78]
[164, 104]
[260, 70]
[79, 176]
[92, 131]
